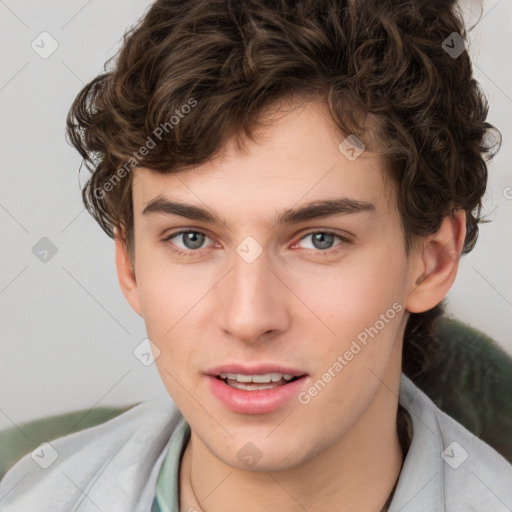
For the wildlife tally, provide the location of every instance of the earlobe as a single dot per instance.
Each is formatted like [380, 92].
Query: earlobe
[126, 274]
[436, 265]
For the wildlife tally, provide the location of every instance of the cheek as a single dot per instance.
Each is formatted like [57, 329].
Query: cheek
[351, 295]
[169, 296]
[362, 305]
[163, 289]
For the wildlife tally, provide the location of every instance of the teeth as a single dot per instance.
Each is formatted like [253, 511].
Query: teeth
[260, 379]
[250, 387]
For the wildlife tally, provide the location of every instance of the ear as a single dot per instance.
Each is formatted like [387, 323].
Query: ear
[435, 264]
[126, 273]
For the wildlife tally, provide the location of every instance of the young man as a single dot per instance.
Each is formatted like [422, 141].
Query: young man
[290, 186]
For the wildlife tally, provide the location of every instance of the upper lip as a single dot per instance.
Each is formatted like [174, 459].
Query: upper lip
[260, 369]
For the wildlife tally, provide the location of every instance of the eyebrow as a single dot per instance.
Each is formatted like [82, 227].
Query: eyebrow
[314, 210]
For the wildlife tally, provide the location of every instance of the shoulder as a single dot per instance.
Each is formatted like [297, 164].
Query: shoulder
[112, 463]
[474, 473]
[448, 468]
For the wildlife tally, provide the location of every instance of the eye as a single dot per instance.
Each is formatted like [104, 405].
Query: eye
[191, 239]
[322, 241]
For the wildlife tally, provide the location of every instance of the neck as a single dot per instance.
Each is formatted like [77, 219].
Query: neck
[358, 472]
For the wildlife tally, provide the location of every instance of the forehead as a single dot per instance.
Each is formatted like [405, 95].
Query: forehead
[296, 158]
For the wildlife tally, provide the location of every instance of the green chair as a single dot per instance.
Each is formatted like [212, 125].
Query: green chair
[16, 442]
[470, 380]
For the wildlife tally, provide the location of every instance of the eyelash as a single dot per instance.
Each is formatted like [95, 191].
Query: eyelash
[193, 253]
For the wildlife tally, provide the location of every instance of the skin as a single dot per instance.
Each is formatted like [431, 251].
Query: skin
[297, 305]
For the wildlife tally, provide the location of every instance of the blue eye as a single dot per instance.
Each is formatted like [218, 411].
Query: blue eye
[193, 240]
[323, 240]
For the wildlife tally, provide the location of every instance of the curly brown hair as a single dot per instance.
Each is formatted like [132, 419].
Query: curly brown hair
[191, 74]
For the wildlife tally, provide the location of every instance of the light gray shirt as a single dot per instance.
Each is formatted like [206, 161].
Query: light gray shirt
[114, 467]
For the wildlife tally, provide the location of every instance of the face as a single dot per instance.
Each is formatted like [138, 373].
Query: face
[320, 297]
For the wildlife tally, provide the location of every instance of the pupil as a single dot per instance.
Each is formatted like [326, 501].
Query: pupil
[319, 236]
[189, 237]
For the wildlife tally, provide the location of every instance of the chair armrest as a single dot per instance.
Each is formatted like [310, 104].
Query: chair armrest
[471, 380]
[15, 442]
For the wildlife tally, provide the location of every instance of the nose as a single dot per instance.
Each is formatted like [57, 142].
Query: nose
[254, 305]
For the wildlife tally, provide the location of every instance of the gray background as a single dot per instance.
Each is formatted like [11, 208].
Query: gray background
[67, 333]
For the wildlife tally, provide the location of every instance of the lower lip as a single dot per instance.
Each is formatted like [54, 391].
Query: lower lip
[255, 402]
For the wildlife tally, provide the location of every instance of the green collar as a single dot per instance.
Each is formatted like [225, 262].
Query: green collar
[167, 487]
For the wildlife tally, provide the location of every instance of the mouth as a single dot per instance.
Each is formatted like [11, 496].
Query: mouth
[256, 390]
[256, 382]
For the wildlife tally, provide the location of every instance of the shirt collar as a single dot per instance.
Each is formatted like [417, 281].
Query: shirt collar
[167, 488]
[420, 485]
